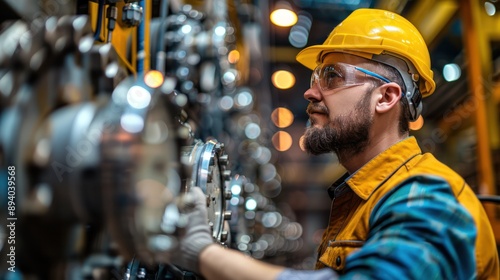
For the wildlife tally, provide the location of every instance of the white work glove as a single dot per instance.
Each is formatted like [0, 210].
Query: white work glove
[198, 234]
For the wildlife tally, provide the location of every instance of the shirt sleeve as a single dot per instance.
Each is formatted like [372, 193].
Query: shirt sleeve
[322, 274]
[418, 231]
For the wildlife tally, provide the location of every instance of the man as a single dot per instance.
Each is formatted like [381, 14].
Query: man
[397, 213]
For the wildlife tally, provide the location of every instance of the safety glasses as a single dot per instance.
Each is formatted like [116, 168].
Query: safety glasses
[332, 76]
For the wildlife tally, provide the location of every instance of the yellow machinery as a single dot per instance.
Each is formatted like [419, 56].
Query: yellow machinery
[130, 35]
[107, 118]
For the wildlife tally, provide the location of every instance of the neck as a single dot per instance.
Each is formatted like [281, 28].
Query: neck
[376, 145]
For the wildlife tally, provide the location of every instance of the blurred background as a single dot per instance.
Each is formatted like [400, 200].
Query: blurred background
[111, 109]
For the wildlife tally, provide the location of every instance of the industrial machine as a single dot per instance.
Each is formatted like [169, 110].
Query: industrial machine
[110, 112]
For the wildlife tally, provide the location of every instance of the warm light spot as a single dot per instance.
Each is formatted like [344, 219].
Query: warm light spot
[301, 143]
[233, 56]
[283, 17]
[416, 125]
[283, 79]
[153, 79]
[282, 117]
[282, 141]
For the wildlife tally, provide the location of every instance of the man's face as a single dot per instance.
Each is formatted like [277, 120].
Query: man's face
[340, 111]
[347, 132]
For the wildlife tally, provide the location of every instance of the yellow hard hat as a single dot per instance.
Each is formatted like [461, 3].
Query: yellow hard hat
[378, 34]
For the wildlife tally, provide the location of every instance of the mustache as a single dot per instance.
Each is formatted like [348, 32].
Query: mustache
[316, 108]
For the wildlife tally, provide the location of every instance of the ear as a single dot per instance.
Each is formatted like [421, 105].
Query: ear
[389, 96]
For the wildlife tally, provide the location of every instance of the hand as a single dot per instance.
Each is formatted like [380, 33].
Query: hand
[197, 231]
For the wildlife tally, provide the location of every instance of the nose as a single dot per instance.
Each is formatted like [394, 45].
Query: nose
[313, 94]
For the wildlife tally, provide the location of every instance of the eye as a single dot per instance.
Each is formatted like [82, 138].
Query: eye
[331, 77]
[330, 72]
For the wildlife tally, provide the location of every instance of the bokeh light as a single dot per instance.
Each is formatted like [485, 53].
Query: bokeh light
[283, 17]
[282, 117]
[283, 79]
[153, 79]
[282, 141]
[233, 56]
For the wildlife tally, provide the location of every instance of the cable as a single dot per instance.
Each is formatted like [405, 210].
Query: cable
[100, 9]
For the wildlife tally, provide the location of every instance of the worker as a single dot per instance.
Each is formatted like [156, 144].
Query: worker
[397, 213]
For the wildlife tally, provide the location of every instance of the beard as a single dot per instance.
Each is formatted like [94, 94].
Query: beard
[345, 135]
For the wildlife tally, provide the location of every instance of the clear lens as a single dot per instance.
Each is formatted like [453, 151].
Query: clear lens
[332, 76]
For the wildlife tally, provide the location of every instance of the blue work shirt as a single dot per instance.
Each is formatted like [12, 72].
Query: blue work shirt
[417, 231]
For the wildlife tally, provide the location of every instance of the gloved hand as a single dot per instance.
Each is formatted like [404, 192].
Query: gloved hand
[198, 234]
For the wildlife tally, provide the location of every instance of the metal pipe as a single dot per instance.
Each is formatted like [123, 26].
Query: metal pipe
[141, 40]
[486, 180]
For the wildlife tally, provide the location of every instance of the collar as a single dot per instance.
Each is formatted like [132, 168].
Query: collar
[375, 172]
[338, 187]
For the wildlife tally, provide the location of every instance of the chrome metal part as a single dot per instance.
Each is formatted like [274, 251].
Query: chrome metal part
[95, 153]
[50, 130]
[207, 171]
[132, 14]
[102, 158]
[139, 175]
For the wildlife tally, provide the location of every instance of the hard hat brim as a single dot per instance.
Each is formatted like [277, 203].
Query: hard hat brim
[309, 56]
